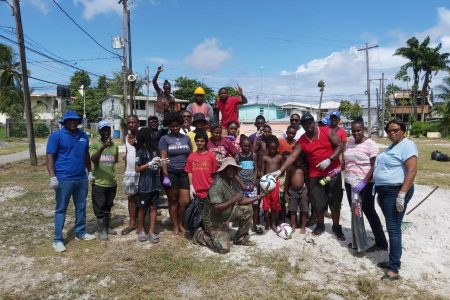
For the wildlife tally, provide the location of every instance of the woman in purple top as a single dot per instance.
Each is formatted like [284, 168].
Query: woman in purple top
[175, 149]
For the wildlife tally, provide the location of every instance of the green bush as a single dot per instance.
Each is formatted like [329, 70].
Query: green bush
[41, 130]
[422, 128]
[18, 129]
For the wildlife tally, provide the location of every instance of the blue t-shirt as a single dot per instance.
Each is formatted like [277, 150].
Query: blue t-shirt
[178, 148]
[69, 152]
[390, 166]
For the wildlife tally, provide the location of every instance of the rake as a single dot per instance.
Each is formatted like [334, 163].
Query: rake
[405, 224]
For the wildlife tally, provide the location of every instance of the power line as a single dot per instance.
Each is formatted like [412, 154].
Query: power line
[43, 80]
[81, 28]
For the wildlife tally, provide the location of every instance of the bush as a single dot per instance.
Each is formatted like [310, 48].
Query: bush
[18, 129]
[41, 130]
[419, 128]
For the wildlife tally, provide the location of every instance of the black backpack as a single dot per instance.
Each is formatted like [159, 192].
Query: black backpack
[439, 156]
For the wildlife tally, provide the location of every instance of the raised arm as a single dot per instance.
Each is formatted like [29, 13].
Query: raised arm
[155, 79]
[241, 95]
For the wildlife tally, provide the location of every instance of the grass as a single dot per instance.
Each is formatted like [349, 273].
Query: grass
[123, 268]
[15, 145]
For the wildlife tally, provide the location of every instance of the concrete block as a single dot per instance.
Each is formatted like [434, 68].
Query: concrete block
[434, 135]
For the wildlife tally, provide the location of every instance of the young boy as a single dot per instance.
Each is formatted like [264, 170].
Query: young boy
[104, 154]
[297, 195]
[260, 147]
[282, 180]
[260, 121]
[147, 164]
[200, 166]
[271, 202]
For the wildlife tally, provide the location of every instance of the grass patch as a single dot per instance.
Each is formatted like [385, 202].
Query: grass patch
[18, 145]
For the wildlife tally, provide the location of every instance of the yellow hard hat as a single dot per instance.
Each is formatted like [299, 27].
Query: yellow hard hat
[199, 91]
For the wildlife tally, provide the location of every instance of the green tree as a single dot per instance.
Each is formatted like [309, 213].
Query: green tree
[93, 99]
[11, 95]
[78, 79]
[389, 92]
[432, 62]
[350, 110]
[412, 52]
[185, 89]
[102, 84]
[115, 85]
[443, 92]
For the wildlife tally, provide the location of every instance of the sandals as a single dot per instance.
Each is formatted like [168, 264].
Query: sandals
[127, 230]
[142, 237]
[154, 238]
[390, 277]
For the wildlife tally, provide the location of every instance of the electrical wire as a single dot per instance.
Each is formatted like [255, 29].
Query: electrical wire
[81, 28]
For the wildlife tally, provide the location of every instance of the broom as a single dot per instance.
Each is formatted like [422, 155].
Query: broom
[405, 224]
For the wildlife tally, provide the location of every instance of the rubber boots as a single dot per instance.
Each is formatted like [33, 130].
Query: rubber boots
[109, 230]
[102, 233]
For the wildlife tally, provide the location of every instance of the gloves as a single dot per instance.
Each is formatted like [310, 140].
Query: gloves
[334, 172]
[166, 181]
[191, 191]
[154, 161]
[54, 183]
[275, 174]
[91, 177]
[360, 186]
[400, 201]
[324, 164]
[231, 138]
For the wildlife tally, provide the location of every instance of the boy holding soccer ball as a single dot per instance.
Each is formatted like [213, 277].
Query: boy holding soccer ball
[271, 202]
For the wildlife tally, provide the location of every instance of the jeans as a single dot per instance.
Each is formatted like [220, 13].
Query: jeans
[368, 207]
[78, 189]
[386, 199]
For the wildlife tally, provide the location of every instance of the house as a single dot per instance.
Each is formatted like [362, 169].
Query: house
[403, 107]
[249, 112]
[112, 109]
[46, 107]
[290, 108]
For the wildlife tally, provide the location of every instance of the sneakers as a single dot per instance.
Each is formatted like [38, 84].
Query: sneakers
[59, 247]
[85, 237]
[337, 230]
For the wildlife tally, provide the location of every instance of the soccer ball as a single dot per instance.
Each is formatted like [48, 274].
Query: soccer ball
[267, 183]
[284, 231]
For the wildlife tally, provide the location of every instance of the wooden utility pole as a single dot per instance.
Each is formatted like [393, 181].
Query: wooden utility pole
[26, 88]
[321, 85]
[130, 61]
[369, 124]
[147, 83]
[127, 103]
[383, 106]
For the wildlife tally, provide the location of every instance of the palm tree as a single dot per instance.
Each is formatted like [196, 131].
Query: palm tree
[431, 63]
[443, 92]
[11, 100]
[412, 52]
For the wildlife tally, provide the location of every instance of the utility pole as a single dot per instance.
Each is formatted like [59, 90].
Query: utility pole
[321, 85]
[127, 103]
[383, 106]
[130, 62]
[369, 124]
[147, 83]
[26, 88]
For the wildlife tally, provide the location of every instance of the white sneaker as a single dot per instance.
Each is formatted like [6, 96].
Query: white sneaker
[86, 237]
[59, 247]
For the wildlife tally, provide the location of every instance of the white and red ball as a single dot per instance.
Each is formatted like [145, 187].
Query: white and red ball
[284, 231]
[267, 183]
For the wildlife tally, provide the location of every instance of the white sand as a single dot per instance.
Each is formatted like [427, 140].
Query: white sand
[426, 248]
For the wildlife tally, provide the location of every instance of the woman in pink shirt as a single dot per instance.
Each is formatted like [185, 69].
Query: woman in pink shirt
[359, 159]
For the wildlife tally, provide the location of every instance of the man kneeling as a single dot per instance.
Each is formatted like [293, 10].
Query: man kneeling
[226, 204]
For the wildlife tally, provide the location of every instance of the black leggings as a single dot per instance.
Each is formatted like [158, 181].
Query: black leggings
[368, 207]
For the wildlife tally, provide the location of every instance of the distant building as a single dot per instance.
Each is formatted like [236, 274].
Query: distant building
[403, 108]
[297, 107]
[249, 112]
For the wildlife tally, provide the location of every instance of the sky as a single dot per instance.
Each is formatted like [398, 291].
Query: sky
[277, 51]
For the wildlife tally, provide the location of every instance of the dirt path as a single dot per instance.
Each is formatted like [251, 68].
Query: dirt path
[23, 155]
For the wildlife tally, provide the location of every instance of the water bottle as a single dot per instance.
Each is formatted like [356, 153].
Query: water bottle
[325, 180]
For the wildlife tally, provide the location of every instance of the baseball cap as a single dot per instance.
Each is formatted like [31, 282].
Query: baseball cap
[102, 124]
[335, 114]
[306, 117]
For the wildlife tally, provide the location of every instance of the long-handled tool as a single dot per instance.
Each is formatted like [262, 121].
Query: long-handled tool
[406, 224]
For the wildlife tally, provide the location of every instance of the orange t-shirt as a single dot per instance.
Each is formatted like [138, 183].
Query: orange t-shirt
[285, 146]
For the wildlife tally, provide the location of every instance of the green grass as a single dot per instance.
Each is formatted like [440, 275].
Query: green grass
[18, 144]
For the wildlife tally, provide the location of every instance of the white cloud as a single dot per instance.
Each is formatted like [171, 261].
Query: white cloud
[157, 60]
[207, 56]
[93, 8]
[41, 5]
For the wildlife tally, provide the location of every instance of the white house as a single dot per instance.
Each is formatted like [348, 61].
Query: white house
[300, 108]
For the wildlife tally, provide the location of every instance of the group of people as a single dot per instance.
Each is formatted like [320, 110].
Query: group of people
[194, 159]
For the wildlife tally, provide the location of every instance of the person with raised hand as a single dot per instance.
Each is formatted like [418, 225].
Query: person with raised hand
[228, 106]
[165, 101]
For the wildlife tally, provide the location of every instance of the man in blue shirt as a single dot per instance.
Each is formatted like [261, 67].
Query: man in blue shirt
[67, 160]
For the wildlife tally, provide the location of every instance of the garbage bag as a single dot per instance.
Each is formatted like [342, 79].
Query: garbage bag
[439, 156]
[193, 214]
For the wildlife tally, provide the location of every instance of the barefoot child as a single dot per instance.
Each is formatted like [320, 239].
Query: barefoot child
[147, 164]
[260, 148]
[246, 159]
[296, 195]
[282, 180]
[271, 202]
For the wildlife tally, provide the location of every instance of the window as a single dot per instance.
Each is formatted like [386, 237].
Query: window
[261, 111]
[140, 104]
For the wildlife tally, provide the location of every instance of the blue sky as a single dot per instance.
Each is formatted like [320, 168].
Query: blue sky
[276, 50]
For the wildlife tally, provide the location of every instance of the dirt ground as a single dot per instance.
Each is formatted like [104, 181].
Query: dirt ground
[122, 268]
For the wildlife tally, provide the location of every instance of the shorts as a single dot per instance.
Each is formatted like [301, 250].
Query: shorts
[328, 195]
[130, 183]
[145, 200]
[298, 199]
[282, 200]
[179, 179]
[272, 200]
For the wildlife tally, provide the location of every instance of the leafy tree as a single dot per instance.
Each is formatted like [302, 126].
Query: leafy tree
[93, 98]
[185, 88]
[11, 95]
[444, 109]
[78, 79]
[102, 84]
[350, 110]
[431, 63]
[115, 85]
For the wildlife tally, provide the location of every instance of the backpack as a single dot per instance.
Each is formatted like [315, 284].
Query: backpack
[439, 156]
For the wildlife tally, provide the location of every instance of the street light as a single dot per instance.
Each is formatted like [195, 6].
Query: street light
[321, 86]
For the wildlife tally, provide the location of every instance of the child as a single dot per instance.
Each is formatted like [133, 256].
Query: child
[104, 154]
[232, 129]
[282, 180]
[147, 164]
[220, 146]
[259, 147]
[297, 195]
[200, 123]
[271, 201]
[260, 121]
[200, 166]
[247, 177]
